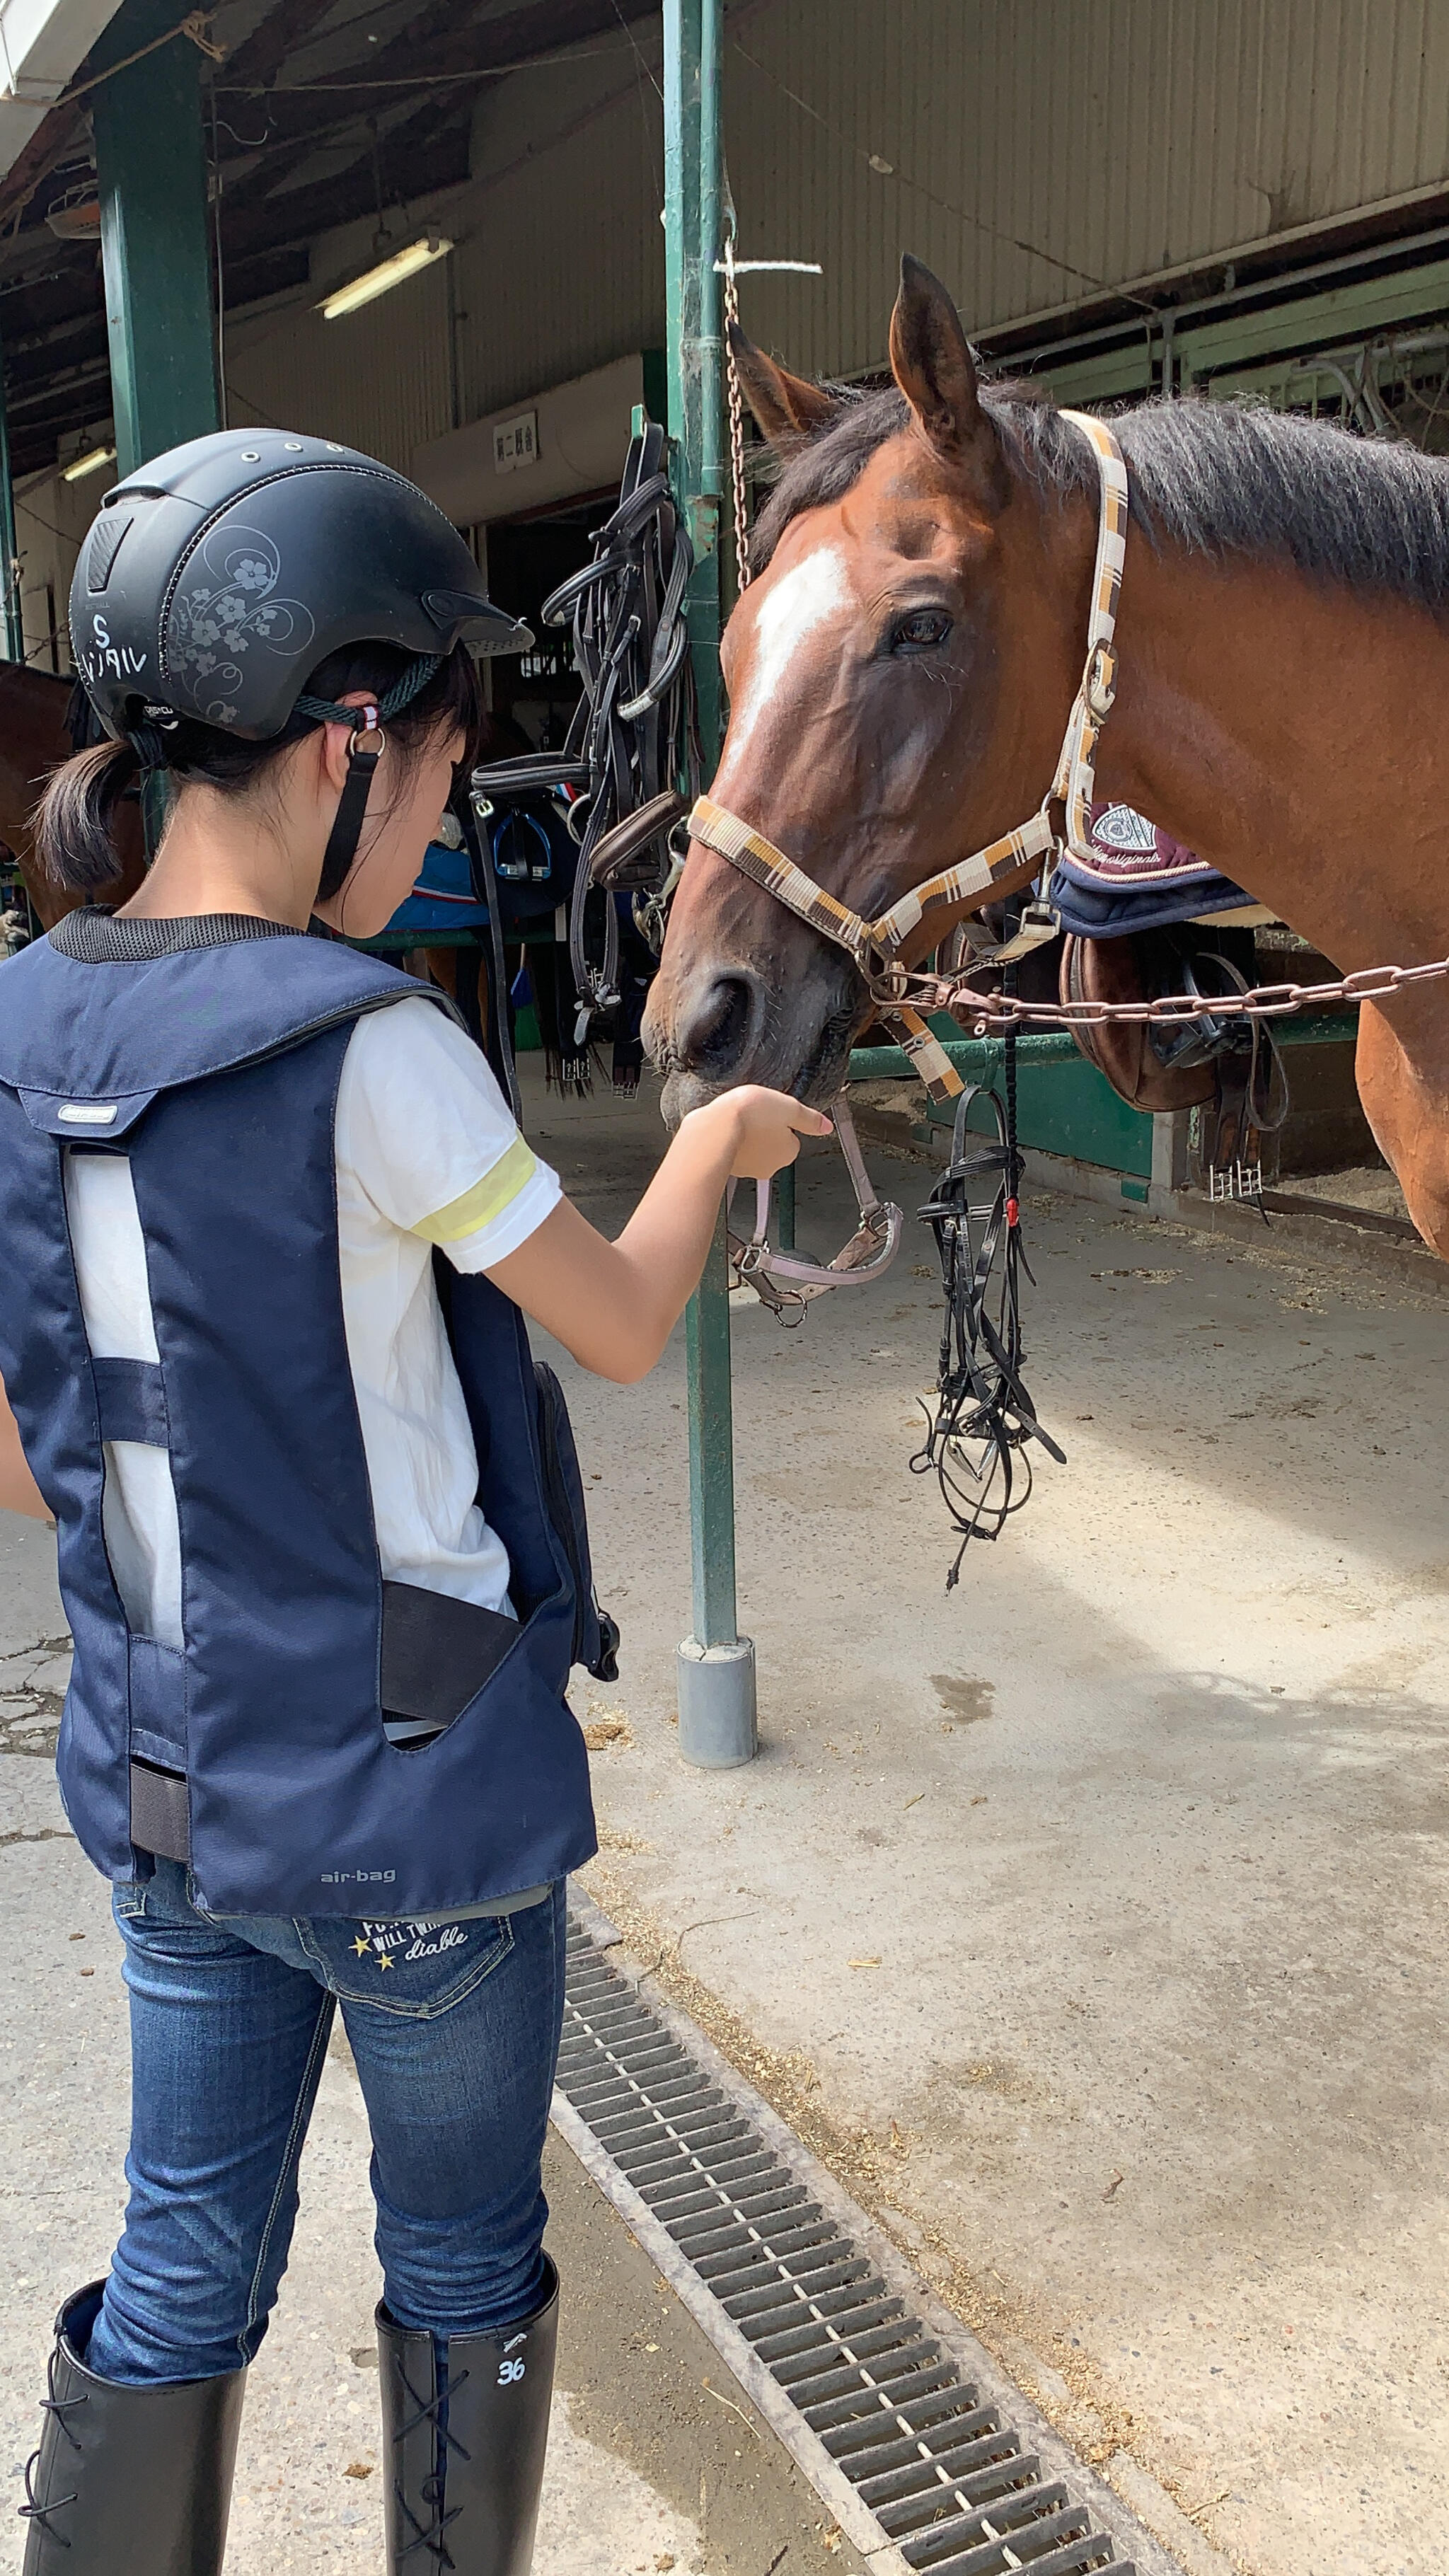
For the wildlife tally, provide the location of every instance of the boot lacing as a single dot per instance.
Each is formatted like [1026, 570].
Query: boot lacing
[33, 2510]
[431, 2492]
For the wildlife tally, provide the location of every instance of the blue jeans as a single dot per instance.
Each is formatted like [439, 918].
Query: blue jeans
[454, 2029]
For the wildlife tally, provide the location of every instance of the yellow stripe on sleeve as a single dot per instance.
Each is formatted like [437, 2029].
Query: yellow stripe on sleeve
[486, 1200]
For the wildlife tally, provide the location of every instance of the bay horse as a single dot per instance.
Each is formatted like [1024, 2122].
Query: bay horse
[901, 667]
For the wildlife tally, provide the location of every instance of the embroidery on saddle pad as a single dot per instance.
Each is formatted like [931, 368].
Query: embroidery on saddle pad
[1121, 827]
[1138, 878]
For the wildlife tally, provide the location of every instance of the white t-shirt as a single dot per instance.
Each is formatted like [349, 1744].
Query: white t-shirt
[427, 1154]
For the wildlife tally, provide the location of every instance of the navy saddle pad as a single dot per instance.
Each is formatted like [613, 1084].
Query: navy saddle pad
[1139, 878]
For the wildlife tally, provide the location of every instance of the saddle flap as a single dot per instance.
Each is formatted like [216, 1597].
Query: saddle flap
[1112, 970]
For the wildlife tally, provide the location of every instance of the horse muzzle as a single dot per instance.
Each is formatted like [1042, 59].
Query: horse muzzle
[717, 1026]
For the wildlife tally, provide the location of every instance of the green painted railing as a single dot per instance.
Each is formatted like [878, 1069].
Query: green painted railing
[977, 1059]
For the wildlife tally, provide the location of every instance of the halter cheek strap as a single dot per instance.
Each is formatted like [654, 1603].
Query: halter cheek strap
[875, 946]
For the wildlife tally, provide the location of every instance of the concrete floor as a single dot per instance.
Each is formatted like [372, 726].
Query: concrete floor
[1089, 1917]
[1082, 1918]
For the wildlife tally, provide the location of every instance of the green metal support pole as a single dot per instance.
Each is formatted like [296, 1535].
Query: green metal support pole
[711, 1452]
[155, 235]
[155, 253]
[716, 1668]
[9, 549]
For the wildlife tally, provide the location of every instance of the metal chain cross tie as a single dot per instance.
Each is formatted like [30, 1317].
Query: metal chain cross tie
[737, 414]
[991, 1012]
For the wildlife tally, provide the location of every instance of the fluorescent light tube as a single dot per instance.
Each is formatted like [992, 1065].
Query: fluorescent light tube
[90, 463]
[377, 281]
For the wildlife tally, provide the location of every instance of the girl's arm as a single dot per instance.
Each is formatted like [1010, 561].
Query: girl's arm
[614, 1305]
[19, 1491]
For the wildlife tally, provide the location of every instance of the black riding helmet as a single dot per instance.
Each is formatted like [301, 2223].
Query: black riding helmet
[218, 576]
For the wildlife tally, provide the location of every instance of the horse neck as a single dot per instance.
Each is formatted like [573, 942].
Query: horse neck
[1277, 726]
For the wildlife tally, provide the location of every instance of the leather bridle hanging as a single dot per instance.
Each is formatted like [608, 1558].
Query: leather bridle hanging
[876, 946]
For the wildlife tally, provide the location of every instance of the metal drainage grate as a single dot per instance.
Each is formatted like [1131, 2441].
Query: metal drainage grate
[943, 2480]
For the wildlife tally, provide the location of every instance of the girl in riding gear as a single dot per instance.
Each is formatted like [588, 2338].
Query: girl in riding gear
[271, 1235]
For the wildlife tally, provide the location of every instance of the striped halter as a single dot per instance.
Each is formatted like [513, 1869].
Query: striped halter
[876, 945]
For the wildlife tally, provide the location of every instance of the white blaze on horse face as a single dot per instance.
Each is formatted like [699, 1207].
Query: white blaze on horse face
[815, 590]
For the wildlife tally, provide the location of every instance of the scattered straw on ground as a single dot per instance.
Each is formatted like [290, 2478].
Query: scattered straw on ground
[607, 1730]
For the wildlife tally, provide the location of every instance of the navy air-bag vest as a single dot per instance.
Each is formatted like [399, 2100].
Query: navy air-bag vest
[219, 1070]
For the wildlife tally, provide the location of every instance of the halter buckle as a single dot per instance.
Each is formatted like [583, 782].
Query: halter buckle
[1099, 681]
[886, 979]
[786, 1282]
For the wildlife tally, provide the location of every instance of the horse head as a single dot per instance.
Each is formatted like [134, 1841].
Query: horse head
[898, 671]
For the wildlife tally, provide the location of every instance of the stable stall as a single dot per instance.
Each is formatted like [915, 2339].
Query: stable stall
[1077, 1917]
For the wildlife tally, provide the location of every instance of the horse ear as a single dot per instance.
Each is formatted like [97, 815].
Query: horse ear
[932, 364]
[785, 406]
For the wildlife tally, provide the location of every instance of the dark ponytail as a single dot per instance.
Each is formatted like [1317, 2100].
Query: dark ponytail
[75, 817]
[74, 820]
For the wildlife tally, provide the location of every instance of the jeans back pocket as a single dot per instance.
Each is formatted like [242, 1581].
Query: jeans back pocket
[417, 1969]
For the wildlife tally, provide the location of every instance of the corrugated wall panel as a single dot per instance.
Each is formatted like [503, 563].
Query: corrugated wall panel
[563, 267]
[1031, 154]
[1038, 150]
[51, 519]
[379, 379]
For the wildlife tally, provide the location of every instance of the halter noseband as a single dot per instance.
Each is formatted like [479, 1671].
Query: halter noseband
[875, 946]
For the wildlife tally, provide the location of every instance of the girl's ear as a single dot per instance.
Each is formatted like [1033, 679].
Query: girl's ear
[334, 742]
[786, 407]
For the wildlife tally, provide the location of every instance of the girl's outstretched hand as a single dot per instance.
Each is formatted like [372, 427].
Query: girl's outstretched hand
[614, 1305]
[766, 1128]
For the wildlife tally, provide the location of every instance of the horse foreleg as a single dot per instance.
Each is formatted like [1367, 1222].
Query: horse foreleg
[1402, 1070]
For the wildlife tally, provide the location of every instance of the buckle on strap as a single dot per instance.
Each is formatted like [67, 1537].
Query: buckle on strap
[788, 1281]
[1099, 681]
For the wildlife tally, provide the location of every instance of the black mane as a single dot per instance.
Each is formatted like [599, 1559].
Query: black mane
[1214, 478]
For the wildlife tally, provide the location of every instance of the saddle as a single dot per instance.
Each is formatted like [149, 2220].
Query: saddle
[1145, 916]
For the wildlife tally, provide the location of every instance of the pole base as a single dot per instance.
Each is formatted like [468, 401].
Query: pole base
[716, 1688]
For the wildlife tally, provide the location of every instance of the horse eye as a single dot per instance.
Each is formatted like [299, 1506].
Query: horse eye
[918, 632]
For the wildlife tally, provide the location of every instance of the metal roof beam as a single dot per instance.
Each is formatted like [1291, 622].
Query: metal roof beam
[441, 44]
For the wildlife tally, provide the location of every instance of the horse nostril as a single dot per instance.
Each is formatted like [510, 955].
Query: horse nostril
[713, 1033]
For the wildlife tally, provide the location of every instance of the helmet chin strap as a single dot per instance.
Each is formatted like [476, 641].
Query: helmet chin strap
[363, 754]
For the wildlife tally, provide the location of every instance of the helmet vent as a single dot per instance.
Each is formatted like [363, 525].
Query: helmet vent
[105, 546]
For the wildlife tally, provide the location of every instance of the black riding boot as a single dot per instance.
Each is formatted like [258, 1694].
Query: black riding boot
[128, 2481]
[465, 2467]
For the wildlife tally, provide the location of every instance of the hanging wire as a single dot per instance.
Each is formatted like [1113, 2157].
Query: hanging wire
[215, 190]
